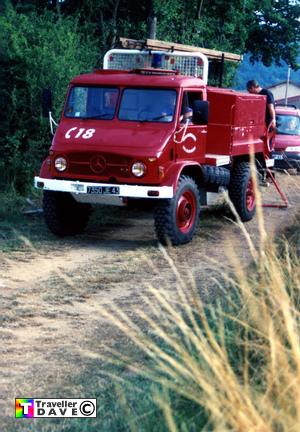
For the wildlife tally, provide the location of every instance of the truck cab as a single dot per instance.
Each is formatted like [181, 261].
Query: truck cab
[112, 132]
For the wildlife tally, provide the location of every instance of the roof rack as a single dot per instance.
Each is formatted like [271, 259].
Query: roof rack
[186, 63]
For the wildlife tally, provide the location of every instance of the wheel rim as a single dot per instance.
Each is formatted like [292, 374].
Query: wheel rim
[186, 211]
[250, 195]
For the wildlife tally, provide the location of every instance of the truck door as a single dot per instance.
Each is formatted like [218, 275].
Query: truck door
[190, 137]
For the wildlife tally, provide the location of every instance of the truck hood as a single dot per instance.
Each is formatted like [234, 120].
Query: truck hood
[112, 136]
[284, 141]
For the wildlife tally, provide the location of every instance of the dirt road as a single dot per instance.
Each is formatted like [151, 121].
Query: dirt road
[50, 296]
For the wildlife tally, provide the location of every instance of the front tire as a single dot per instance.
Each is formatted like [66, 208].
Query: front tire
[242, 192]
[176, 220]
[63, 215]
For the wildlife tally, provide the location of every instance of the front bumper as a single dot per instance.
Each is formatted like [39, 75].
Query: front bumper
[103, 192]
[286, 160]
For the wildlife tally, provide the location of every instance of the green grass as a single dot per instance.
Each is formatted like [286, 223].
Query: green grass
[15, 225]
[127, 405]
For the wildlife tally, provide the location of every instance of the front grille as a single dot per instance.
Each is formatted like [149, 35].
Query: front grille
[103, 165]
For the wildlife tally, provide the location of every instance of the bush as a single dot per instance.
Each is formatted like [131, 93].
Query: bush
[36, 51]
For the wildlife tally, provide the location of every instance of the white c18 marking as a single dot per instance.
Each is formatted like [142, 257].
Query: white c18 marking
[68, 136]
[184, 137]
[84, 133]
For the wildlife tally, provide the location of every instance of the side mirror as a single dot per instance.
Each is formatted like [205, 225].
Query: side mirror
[46, 102]
[47, 108]
[200, 116]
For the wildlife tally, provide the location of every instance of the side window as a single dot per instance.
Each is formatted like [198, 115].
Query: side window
[194, 110]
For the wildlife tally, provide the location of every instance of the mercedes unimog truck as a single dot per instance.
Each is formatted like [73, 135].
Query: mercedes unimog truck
[122, 137]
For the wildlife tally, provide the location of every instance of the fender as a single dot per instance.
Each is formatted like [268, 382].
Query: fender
[45, 171]
[176, 169]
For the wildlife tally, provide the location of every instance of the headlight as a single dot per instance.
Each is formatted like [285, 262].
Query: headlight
[60, 164]
[295, 149]
[138, 169]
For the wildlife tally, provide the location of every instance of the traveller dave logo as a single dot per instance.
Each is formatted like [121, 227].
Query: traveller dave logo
[24, 408]
[53, 408]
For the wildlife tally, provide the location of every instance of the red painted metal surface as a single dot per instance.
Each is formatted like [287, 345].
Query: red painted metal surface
[127, 78]
[236, 122]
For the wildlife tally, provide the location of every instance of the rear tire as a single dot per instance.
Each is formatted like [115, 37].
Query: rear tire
[176, 220]
[63, 215]
[241, 191]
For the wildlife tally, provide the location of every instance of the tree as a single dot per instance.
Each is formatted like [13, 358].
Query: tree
[36, 51]
[274, 32]
[268, 29]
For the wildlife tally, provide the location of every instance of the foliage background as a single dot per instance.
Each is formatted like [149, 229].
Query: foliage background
[43, 43]
[37, 51]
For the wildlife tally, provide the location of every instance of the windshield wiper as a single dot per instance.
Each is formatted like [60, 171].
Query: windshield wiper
[160, 117]
[151, 119]
[98, 116]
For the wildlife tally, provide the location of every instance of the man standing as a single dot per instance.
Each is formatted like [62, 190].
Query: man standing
[254, 88]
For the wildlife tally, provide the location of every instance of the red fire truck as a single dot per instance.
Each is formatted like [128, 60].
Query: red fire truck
[122, 136]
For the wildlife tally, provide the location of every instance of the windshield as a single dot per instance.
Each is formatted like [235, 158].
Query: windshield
[287, 124]
[92, 102]
[148, 105]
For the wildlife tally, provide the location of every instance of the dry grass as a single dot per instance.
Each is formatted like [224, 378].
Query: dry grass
[239, 359]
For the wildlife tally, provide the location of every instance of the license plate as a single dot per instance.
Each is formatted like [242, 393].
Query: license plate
[278, 157]
[103, 190]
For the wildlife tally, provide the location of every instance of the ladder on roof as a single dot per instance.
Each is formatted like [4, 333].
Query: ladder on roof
[152, 44]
